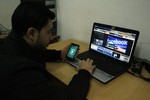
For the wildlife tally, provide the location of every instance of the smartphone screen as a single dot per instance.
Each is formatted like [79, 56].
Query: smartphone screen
[72, 51]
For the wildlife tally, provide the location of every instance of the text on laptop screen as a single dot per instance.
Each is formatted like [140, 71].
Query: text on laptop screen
[112, 42]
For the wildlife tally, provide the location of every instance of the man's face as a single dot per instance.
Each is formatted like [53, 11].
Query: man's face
[44, 36]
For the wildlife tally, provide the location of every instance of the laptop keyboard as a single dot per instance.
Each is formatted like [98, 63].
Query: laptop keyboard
[105, 64]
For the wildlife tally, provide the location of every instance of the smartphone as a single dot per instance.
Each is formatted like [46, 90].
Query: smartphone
[72, 51]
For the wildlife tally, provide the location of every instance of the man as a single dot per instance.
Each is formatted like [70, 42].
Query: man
[23, 55]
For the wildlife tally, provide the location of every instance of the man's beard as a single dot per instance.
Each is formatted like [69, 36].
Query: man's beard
[39, 46]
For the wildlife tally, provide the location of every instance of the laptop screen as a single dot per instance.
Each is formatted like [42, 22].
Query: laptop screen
[115, 42]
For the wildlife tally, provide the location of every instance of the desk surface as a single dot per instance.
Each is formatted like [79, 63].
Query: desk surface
[124, 87]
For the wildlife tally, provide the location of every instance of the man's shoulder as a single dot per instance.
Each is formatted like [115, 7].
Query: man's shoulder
[13, 65]
[17, 70]
[13, 62]
[13, 58]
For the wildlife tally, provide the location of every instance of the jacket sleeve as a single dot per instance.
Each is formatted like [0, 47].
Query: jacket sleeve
[79, 86]
[51, 55]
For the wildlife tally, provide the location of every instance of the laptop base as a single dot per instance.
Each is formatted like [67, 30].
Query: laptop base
[97, 74]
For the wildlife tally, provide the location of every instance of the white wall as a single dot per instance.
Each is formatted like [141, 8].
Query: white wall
[7, 7]
[75, 19]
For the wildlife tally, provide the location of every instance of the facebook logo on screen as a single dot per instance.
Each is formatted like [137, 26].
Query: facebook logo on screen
[117, 44]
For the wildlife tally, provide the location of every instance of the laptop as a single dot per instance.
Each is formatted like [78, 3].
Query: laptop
[111, 48]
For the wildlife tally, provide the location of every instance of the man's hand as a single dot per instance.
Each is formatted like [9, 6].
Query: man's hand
[87, 65]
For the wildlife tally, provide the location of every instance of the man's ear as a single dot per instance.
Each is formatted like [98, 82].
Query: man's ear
[32, 33]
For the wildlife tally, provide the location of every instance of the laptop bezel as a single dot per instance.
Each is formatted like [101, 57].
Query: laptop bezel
[118, 29]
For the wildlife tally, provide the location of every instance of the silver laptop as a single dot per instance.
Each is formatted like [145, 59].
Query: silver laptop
[111, 48]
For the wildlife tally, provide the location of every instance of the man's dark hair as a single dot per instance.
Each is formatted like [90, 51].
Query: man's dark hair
[28, 15]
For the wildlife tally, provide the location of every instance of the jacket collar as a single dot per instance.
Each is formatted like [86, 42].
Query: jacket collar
[21, 48]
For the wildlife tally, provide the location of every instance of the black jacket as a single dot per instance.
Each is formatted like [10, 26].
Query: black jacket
[23, 75]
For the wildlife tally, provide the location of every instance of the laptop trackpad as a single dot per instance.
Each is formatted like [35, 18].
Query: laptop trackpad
[102, 76]
[98, 74]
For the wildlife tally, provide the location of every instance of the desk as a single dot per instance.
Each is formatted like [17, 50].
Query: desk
[124, 87]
